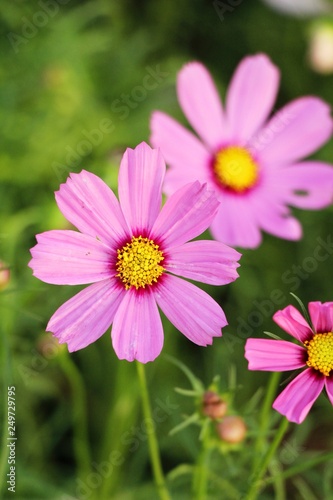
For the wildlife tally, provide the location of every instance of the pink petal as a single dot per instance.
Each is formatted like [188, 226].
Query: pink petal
[329, 387]
[90, 205]
[70, 258]
[192, 311]
[315, 181]
[292, 322]
[176, 178]
[235, 223]
[298, 397]
[181, 150]
[86, 316]
[201, 104]
[321, 316]
[206, 261]
[185, 215]
[298, 130]
[274, 218]
[141, 175]
[251, 95]
[274, 355]
[137, 331]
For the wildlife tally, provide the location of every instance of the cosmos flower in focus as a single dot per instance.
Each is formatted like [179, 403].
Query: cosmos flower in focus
[315, 354]
[131, 250]
[252, 162]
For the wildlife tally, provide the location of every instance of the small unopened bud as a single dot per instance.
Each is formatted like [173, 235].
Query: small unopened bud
[213, 406]
[4, 275]
[232, 429]
[321, 49]
[49, 346]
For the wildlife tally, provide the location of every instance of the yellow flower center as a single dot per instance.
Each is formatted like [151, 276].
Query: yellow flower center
[320, 352]
[235, 168]
[138, 263]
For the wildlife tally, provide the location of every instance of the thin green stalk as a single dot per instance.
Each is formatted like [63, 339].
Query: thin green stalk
[80, 424]
[303, 466]
[201, 470]
[152, 439]
[257, 483]
[278, 484]
[124, 408]
[265, 417]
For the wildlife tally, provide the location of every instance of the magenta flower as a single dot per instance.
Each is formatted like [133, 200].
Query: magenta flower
[316, 354]
[252, 163]
[128, 249]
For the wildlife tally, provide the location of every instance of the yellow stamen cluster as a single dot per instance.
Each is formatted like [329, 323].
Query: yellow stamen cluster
[235, 168]
[138, 263]
[320, 352]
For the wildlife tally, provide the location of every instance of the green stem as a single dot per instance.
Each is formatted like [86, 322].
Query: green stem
[80, 424]
[278, 484]
[265, 417]
[123, 413]
[202, 468]
[297, 469]
[152, 439]
[257, 483]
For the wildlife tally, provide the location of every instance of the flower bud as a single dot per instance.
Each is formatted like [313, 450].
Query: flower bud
[213, 406]
[49, 346]
[4, 275]
[232, 429]
[321, 49]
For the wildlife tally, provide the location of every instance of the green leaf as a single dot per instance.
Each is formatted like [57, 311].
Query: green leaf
[180, 470]
[197, 385]
[194, 418]
[304, 311]
[185, 392]
[272, 335]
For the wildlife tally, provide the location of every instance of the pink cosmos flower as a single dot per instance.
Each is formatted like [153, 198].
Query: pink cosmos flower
[253, 163]
[316, 354]
[128, 250]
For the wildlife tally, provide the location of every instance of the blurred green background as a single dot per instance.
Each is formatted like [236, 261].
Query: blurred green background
[71, 80]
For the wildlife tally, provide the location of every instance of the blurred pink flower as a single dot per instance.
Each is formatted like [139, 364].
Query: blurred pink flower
[301, 8]
[254, 165]
[316, 353]
[127, 250]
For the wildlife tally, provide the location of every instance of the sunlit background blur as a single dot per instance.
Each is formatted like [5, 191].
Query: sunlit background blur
[74, 93]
